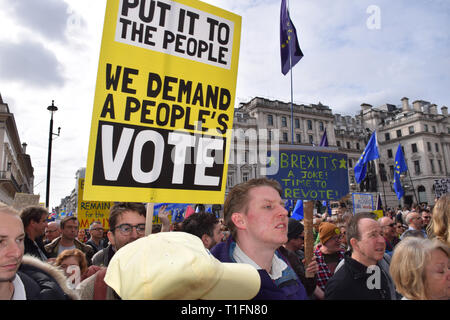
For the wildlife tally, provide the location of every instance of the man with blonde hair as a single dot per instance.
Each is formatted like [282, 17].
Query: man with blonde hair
[255, 214]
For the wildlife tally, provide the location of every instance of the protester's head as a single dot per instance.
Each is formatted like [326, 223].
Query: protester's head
[126, 223]
[441, 219]
[69, 228]
[426, 217]
[296, 235]
[255, 210]
[67, 259]
[365, 238]
[176, 265]
[330, 237]
[388, 227]
[12, 237]
[414, 220]
[34, 220]
[420, 269]
[96, 230]
[205, 226]
[81, 235]
[399, 228]
[52, 231]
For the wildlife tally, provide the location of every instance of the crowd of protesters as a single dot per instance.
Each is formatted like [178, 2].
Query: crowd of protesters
[255, 252]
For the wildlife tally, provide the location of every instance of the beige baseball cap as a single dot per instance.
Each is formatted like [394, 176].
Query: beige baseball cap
[176, 265]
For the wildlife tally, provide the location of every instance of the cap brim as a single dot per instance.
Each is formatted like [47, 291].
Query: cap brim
[239, 281]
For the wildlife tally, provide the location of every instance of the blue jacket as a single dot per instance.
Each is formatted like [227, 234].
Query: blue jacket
[288, 287]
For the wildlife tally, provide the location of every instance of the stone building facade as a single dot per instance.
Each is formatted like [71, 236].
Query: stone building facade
[423, 133]
[16, 170]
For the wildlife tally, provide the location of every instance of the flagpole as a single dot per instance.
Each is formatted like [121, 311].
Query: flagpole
[292, 93]
[414, 189]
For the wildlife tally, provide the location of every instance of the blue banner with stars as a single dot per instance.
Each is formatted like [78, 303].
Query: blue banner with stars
[311, 175]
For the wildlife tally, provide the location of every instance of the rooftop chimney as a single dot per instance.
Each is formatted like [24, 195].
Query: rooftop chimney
[417, 105]
[433, 109]
[24, 147]
[444, 110]
[405, 104]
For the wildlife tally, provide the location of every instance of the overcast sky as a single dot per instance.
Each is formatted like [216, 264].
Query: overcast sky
[356, 51]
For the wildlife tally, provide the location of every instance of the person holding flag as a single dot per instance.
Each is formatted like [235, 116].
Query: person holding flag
[370, 153]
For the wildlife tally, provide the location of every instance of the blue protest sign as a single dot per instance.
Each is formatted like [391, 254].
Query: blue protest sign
[311, 175]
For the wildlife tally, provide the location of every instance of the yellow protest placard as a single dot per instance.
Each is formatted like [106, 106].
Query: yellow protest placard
[90, 211]
[164, 100]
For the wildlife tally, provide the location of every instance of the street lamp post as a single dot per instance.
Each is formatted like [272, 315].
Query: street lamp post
[52, 109]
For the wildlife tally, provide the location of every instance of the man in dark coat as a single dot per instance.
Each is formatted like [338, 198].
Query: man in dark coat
[34, 219]
[364, 273]
[26, 277]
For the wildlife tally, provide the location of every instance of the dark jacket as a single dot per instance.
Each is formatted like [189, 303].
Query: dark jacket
[103, 257]
[42, 281]
[52, 249]
[288, 287]
[32, 250]
[350, 282]
[299, 268]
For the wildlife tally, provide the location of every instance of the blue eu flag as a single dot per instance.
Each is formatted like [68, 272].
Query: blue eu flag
[370, 153]
[399, 167]
[297, 214]
[290, 49]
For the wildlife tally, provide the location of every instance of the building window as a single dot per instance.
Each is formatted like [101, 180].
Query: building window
[434, 129]
[429, 146]
[389, 153]
[391, 170]
[440, 165]
[436, 146]
[350, 163]
[283, 122]
[348, 145]
[399, 133]
[298, 137]
[311, 139]
[358, 146]
[270, 120]
[245, 177]
[321, 127]
[417, 167]
[414, 148]
[309, 122]
[338, 143]
[432, 166]
[411, 129]
[230, 182]
[425, 127]
[285, 137]
[387, 136]
[297, 123]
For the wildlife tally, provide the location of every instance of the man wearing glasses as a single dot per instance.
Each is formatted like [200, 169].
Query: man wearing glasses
[389, 233]
[96, 240]
[127, 224]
